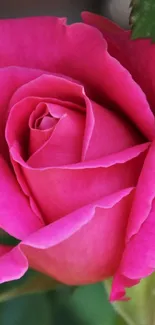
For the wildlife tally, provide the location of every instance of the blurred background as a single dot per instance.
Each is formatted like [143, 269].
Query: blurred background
[87, 305]
[117, 10]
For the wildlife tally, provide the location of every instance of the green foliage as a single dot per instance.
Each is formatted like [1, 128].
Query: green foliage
[6, 239]
[92, 303]
[27, 310]
[143, 19]
[86, 305]
[31, 282]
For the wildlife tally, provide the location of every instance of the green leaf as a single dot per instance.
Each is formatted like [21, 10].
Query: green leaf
[140, 308]
[6, 239]
[30, 283]
[86, 305]
[142, 19]
[27, 310]
[91, 302]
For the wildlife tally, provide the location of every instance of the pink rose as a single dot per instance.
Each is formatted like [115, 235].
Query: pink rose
[77, 159]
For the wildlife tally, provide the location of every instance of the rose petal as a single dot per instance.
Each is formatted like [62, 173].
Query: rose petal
[4, 249]
[139, 265]
[38, 135]
[102, 180]
[64, 146]
[101, 23]
[145, 194]
[98, 121]
[82, 247]
[111, 133]
[49, 86]
[140, 233]
[10, 79]
[16, 216]
[78, 51]
[34, 37]
[56, 243]
[105, 25]
[132, 54]
[107, 128]
[13, 264]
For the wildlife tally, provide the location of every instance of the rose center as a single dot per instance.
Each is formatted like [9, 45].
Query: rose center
[45, 123]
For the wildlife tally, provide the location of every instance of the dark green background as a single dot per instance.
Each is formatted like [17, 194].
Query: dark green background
[87, 305]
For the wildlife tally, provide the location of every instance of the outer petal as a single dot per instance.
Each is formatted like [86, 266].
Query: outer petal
[139, 256]
[34, 41]
[16, 216]
[10, 79]
[132, 54]
[4, 249]
[102, 23]
[82, 247]
[74, 249]
[78, 51]
[13, 263]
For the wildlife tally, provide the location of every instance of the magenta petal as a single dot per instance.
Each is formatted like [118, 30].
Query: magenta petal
[51, 88]
[111, 133]
[133, 55]
[10, 79]
[38, 133]
[78, 51]
[100, 22]
[38, 36]
[103, 177]
[62, 249]
[138, 259]
[140, 233]
[45, 89]
[82, 247]
[4, 249]
[16, 216]
[65, 143]
[145, 194]
[13, 264]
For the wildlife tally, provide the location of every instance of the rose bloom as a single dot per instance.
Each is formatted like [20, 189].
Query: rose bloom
[77, 156]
